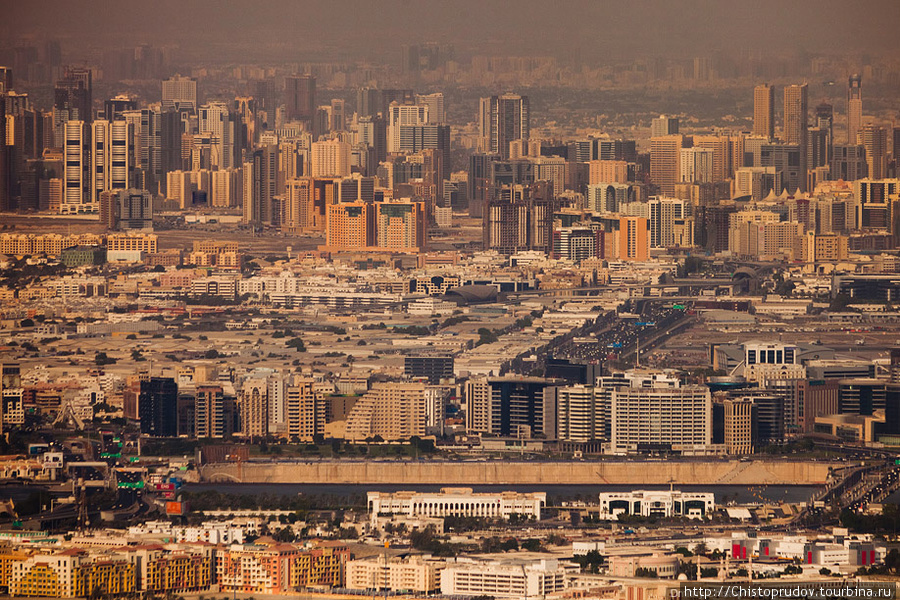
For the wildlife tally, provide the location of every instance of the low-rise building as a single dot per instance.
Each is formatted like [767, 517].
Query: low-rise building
[656, 503]
[400, 574]
[511, 578]
[457, 501]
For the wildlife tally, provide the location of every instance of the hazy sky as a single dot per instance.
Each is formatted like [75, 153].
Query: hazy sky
[595, 28]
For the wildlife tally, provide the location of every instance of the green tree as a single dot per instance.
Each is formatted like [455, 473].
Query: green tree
[296, 343]
[100, 359]
[486, 336]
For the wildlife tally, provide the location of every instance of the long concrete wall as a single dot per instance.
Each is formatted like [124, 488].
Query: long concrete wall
[717, 472]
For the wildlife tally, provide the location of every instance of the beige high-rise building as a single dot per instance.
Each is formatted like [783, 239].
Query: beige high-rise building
[874, 138]
[225, 188]
[400, 225]
[854, 108]
[665, 161]
[796, 111]
[764, 111]
[607, 171]
[304, 408]
[179, 188]
[255, 407]
[738, 425]
[298, 212]
[723, 148]
[392, 410]
[330, 158]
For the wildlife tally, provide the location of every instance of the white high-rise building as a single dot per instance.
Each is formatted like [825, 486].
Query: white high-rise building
[112, 156]
[669, 417]
[579, 416]
[77, 192]
[435, 104]
[403, 114]
[696, 165]
[215, 119]
[663, 215]
[179, 93]
[505, 579]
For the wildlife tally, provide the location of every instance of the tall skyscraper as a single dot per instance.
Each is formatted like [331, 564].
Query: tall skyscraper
[112, 156]
[157, 405]
[338, 115]
[6, 79]
[216, 120]
[368, 101]
[501, 120]
[72, 100]
[114, 107]
[180, 94]
[77, 151]
[665, 161]
[796, 124]
[854, 108]
[663, 125]
[874, 138]
[5, 195]
[213, 412]
[696, 165]
[300, 98]
[260, 186]
[330, 158]
[74, 94]
[401, 225]
[479, 181]
[764, 111]
[403, 115]
[634, 238]
[665, 215]
[521, 218]
[435, 104]
[848, 162]
[298, 210]
[350, 226]
[821, 146]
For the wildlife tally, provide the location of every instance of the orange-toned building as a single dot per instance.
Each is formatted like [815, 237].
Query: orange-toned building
[634, 239]
[350, 226]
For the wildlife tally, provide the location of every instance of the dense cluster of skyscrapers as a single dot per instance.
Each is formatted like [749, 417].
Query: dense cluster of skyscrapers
[381, 175]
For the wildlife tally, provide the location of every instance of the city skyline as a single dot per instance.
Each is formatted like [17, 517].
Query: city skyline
[481, 299]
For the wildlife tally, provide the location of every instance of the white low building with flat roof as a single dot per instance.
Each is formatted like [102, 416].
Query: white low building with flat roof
[511, 578]
[656, 503]
[461, 502]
